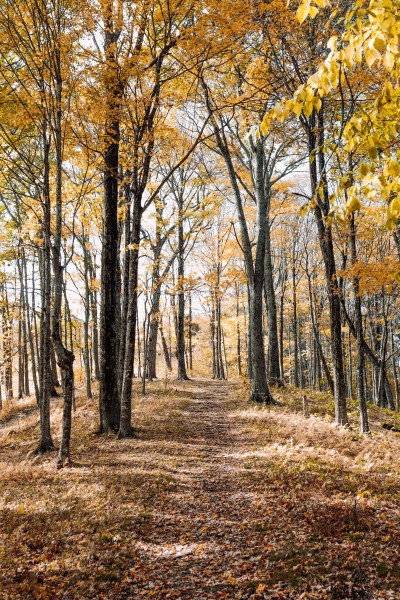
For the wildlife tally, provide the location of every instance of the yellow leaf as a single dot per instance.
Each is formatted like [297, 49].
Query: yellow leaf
[371, 55]
[332, 43]
[317, 103]
[297, 108]
[304, 209]
[389, 60]
[303, 11]
[345, 182]
[265, 124]
[353, 205]
[339, 216]
[393, 168]
[260, 588]
[372, 152]
[379, 43]
[394, 207]
[391, 222]
[308, 108]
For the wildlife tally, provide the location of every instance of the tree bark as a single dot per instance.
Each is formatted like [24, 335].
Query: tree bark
[126, 260]
[157, 280]
[126, 429]
[45, 442]
[167, 357]
[326, 244]
[362, 401]
[274, 369]
[254, 269]
[86, 325]
[109, 398]
[238, 339]
[182, 375]
[295, 331]
[190, 334]
[153, 335]
[317, 340]
[65, 357]
[95, 327]
[7, 345]
[24, 274]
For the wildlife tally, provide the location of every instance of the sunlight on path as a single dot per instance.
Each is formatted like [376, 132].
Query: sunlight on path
[213, 499]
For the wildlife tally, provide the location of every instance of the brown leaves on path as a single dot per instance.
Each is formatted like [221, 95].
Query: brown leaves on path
[214, 499]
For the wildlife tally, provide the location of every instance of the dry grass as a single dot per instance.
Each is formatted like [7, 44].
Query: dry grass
[213, 498]
[16, 408]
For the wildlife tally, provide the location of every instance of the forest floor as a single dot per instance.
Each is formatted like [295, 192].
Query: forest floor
[214, 498]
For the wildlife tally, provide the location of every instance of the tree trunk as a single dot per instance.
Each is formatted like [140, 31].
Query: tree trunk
[167, 357]
[281, 330]
[238, 340]
[139, 370]
[95, 327]
[274, 369]
[65, 357]
[37, 335]
[109, 399]
[190, 334]
[219, 348]
[295, 331]
[317, 340]
[212, 339]
[21, 369]
[54, 375]
[350, 365]
[29, 327]
[153, 333]
[254, 269]
[126, 430]
[7, 346]
[126, 260]
[225, 356]
[362, 401]
[182, 375]
[326, 244]
[86, 324]
[157, 281]
[45, 442]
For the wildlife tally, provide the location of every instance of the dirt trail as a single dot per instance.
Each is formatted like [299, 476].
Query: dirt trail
[205, 525]
[199, 506]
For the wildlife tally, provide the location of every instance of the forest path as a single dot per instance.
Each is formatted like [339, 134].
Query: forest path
[206, 524]
[215, 498]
